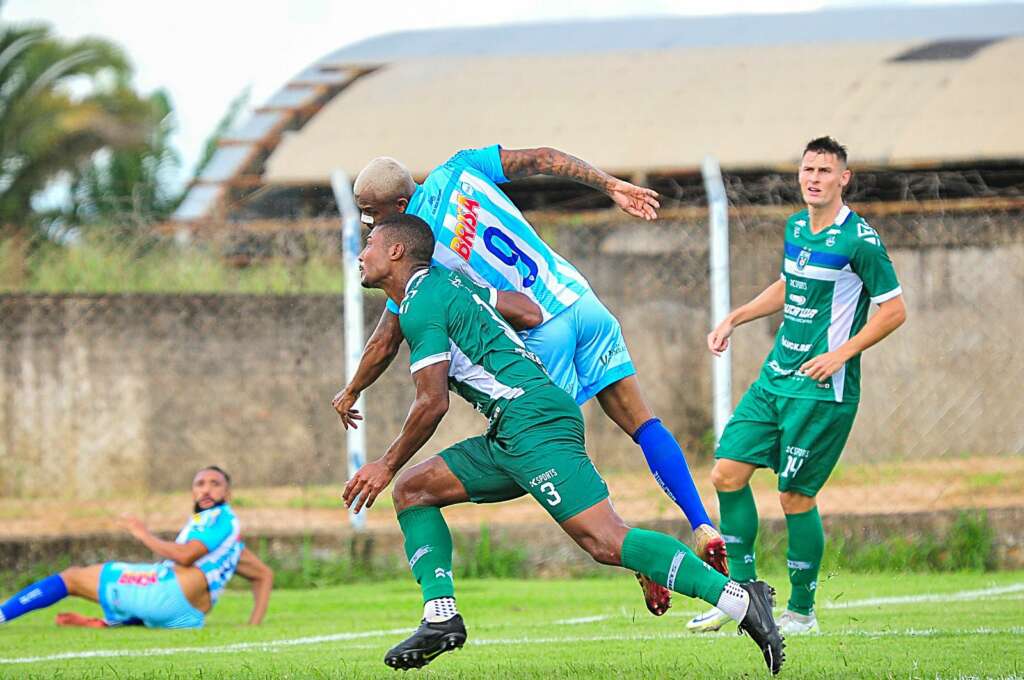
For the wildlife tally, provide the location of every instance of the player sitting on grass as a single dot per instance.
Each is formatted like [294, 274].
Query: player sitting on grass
[175, 593]
[480, 233]
[533, 444]
[796, 417]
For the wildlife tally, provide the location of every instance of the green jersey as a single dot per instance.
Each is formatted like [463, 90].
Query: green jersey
[446, 317]
[830, 279]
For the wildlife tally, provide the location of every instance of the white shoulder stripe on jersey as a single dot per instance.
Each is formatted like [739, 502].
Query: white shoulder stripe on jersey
[895, 292]
[430, 361]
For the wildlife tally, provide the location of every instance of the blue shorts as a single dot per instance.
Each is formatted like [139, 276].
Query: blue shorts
[582, 348]
[145, 593]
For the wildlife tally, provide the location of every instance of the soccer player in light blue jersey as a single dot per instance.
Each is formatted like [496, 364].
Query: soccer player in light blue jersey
[175, 593]
[480, 233]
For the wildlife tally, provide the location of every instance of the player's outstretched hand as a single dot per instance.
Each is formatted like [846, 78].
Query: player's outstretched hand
[718, 339]
[343, 403]
[636, 201]
[133, 525]
[366, 485]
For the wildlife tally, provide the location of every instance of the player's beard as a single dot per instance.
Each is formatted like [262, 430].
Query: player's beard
[196, 509]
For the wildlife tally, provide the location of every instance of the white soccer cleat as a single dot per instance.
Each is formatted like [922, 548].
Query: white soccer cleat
[791, 623]
[709, 621]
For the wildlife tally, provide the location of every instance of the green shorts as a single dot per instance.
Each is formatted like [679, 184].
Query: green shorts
[800, 439]
[536, 447]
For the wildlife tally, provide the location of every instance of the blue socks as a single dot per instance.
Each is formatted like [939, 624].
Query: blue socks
[37, 596]
[665, 458]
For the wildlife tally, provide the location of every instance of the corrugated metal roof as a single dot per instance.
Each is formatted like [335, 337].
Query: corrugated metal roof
[663, 110]
[671, 32]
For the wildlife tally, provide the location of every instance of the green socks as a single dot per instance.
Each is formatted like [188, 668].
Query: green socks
[669, 562]
[739, 529]
[803, 558]
[428, 545]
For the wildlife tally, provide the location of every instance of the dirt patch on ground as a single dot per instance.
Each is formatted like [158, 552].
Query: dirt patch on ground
[892, 487]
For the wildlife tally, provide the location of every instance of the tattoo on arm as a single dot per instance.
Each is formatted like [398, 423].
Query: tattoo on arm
[518, 163]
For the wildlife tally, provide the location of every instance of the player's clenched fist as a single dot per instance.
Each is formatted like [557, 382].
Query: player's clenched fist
[366, 485]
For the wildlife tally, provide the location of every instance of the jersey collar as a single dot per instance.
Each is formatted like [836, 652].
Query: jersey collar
[414, 279]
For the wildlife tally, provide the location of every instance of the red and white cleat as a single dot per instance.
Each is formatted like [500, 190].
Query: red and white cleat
[657, 597]
[710, 547]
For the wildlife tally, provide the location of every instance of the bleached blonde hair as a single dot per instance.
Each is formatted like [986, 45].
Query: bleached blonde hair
[386, 179]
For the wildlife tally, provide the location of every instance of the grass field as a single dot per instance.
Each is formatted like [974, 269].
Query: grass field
[895, 626]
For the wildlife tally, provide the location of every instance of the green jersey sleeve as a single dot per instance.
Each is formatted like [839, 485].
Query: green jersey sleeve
[870, 261]
[424, 324]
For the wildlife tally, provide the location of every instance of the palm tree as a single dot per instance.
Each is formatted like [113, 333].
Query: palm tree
[45, 128]
[130, 187]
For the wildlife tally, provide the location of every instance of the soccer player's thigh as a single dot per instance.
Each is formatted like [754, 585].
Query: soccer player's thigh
[753, 433]
[812, 439]
[473, 463]
[601, 354]
[547, 458]
[554, 343]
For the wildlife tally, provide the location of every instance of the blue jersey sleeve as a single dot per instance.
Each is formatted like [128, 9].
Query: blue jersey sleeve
[487, 161]
[213, 528]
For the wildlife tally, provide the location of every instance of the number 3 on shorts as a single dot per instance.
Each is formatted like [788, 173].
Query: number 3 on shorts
[549, 489]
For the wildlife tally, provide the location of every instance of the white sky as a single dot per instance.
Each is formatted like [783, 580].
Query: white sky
[205, 52]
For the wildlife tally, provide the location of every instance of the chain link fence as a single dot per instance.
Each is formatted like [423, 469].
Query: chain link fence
[106, 394]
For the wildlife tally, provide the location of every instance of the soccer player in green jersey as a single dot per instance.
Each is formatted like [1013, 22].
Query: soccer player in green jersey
[533, 444]
[796, 417]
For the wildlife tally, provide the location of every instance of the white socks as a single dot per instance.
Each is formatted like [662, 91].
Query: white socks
[441, 609]
[734, 601]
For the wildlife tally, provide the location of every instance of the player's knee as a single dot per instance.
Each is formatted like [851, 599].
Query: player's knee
[794, 503]
[725, 479]
[71, 577]
[410, 491]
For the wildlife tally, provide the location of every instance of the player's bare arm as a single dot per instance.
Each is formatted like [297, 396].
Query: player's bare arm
[378, 354]
[634, 200]
[890, 315]
[182, 554]
[519, 310]
[261, 578]
[768, 302]
[429, 407]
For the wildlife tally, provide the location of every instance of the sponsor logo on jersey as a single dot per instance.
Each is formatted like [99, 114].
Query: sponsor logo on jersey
[795, 346]
[799, 299]
[467, 212]
[868, 234]
[610, 354]
[797, 283]
[543, 477]
[774, 366]
[801, 314]
[802, 259]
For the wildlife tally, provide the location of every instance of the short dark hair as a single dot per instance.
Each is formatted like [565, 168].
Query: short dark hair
[826, 145]
[412, 232]
[217, 468]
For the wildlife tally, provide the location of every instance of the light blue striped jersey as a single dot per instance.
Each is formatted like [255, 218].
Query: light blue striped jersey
[482, 234]
[218, 529]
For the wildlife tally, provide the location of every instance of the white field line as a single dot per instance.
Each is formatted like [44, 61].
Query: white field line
[928, 597]
[272, 645]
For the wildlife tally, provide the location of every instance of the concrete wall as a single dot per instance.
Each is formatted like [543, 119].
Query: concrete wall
[100, 395]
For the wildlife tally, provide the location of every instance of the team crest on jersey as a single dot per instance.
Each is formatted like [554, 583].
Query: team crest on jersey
[830, 241]
[802, 259]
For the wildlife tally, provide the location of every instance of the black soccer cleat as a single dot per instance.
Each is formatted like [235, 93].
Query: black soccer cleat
[760, 625]
[428, 642]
